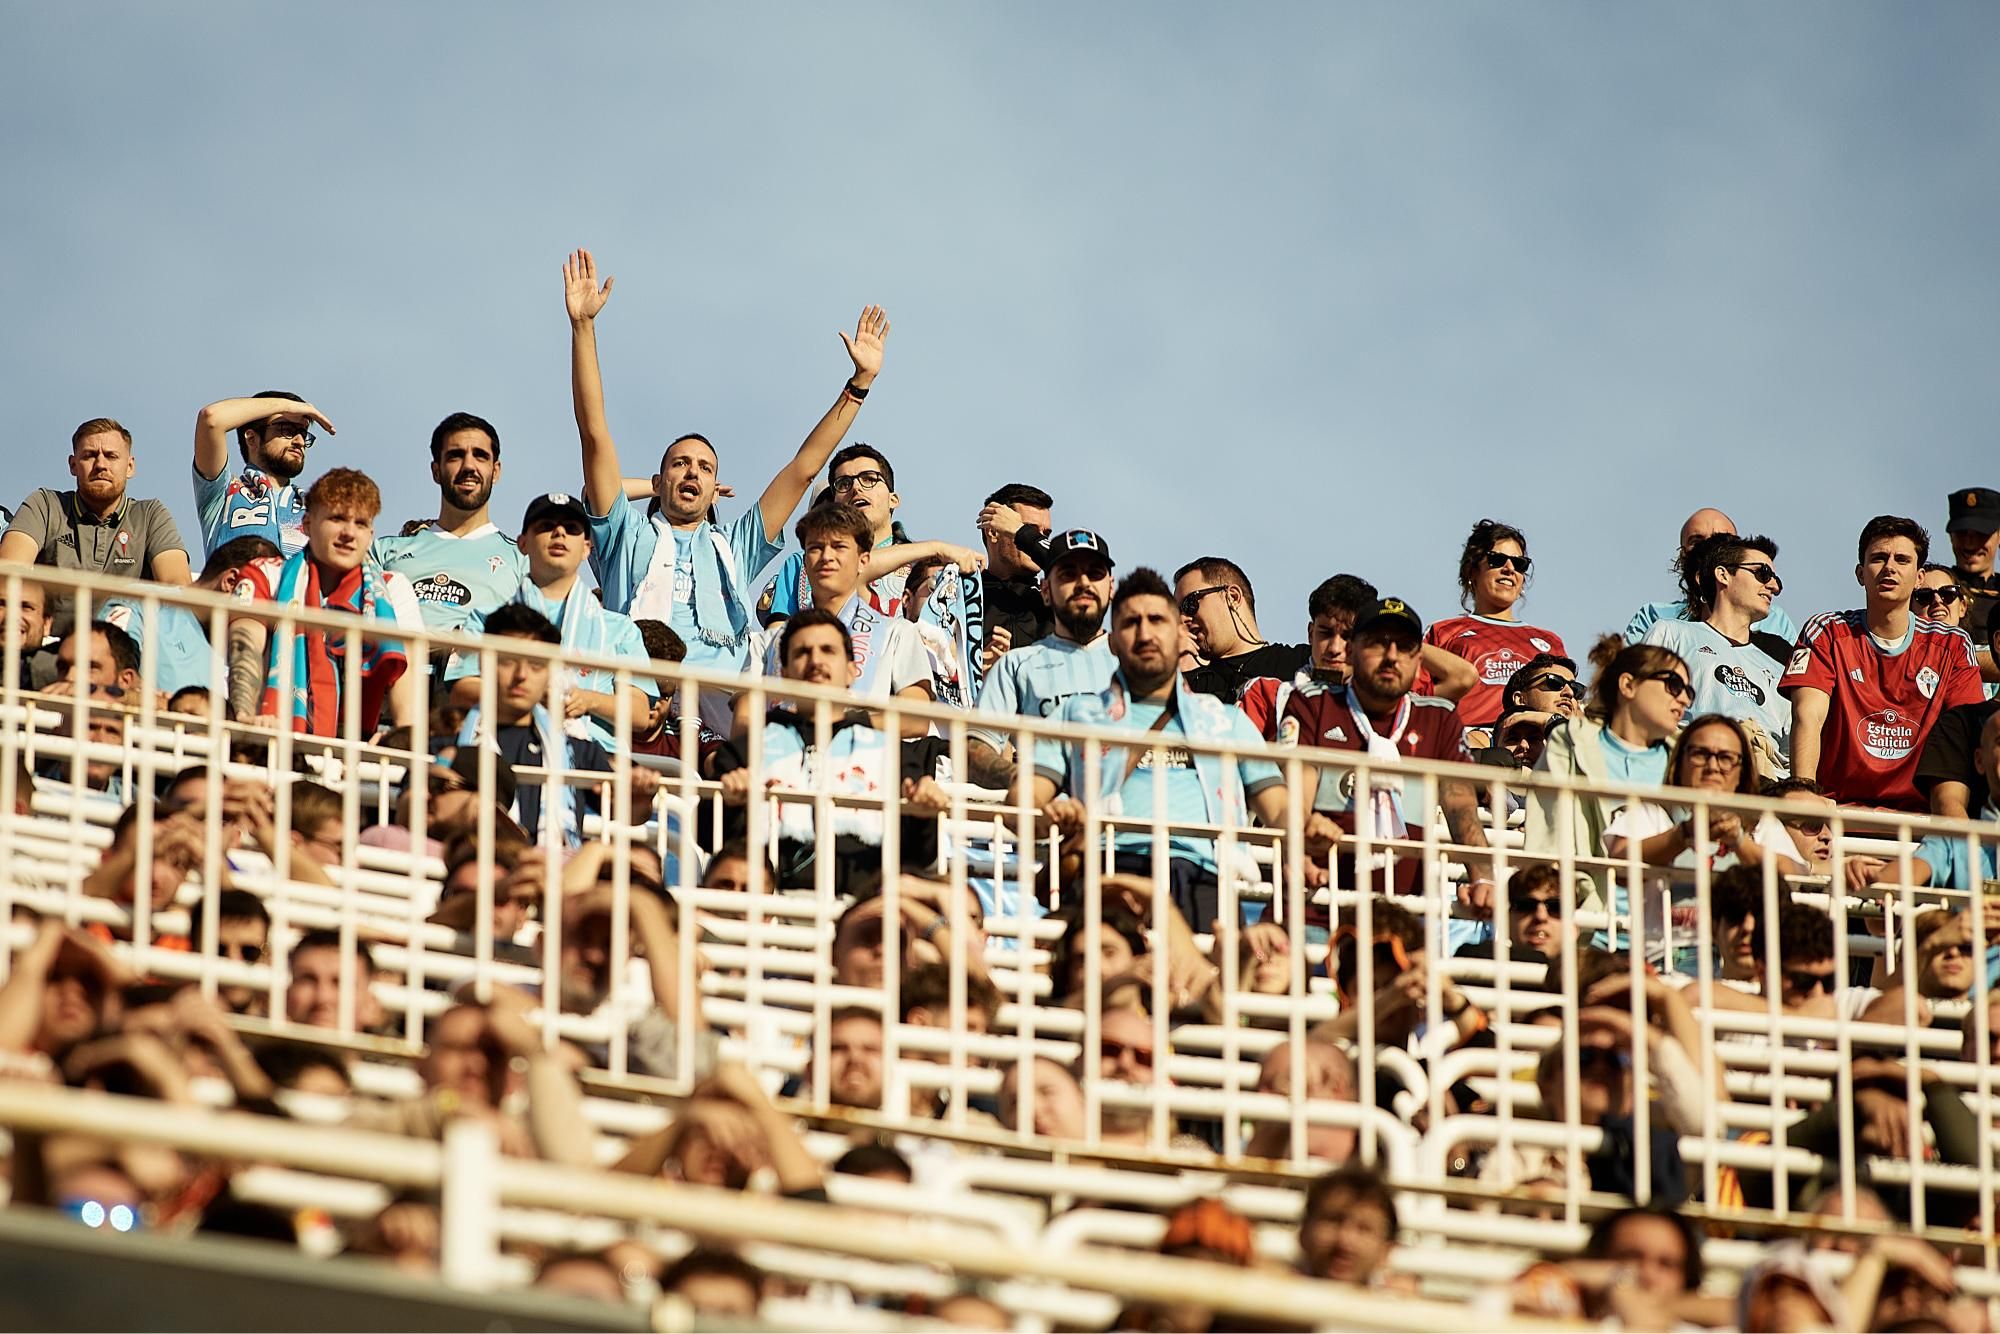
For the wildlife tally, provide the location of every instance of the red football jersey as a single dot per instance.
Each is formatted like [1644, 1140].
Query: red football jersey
[1882, 706]
[1496, 650]
[1263, 699]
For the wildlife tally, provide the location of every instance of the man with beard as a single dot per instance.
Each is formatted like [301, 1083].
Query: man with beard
[97, 527]
[262, 498]
[1035, 681]
[1146, 695]
[459, 565]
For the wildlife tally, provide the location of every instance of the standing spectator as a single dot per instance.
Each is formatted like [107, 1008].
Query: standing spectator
[1015, 524]
[1148, 695]
[1492, 575]
[459, 565]
[1868, 685]
[1219, 610]
[332, 572]
[555, 541]
[1377, 714]
[1974, 530]
[262, 498]
[1728, 586]
[1036, 680]
[184, 659]
[97, 527]
[1636, 703]
[677, 564]
[1703, 523]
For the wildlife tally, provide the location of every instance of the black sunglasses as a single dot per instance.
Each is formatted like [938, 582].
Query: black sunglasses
[1192, 602]
[1805, 984]
[1762, 572]
[1943, 597]
[1556, 683]
[1499, 560]
[1527, 907]
[1676, 684]
[279, 430]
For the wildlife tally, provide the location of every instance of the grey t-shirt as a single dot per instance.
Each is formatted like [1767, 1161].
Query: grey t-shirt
[68, 537]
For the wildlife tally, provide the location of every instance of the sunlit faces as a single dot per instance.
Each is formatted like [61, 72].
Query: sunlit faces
[1711, 757]
[523, 683]
[101, 670]
[338, 533]
[1534, 918]
[833, 568]
[1551, 689]
[102, 465]
[314, 994]
[862, 483]
[1940, 597]
[555, 548]
[1810, 828]
[1125, 1047]
[1055, 1102]
[1945, 960]
[686, 481]
[1146, 640]
[463, 1058]
[277, 445]
[1499, 580]
[818, 655]
[1078, 590]
[1386, 657]
[1656, 700]
[1327, 638]
[1346, 1239]
[854, 1060]
[1973, 550]
[1208, 611]
[467, 466]
[1750, 587]
[27, 615]
[1888, 570]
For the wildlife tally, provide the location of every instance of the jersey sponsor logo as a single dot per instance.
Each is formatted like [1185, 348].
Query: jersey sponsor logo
[1927, 682]
[442, 589]
[249, 516]
[1737, 682]
[1498, 667]
[1888, 735]
[1167, 757]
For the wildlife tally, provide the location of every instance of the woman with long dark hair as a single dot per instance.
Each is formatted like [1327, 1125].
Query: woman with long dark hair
[1493, 572]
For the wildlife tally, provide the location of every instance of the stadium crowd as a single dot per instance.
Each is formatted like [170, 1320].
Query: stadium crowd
[1711, 694]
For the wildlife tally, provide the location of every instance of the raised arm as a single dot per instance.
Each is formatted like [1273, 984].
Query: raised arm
[213, 424]
[782, 496]
[1809, 709]
[603, 482]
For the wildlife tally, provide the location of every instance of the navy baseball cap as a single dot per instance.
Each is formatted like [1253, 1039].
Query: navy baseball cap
[1975, 509]
[555, 505]
[1078, 542]
[1389, 611]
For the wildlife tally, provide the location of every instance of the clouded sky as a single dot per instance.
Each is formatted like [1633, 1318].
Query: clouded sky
[1315, 286]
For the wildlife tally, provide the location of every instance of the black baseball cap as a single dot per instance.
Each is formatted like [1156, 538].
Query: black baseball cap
[555, 505]
[1388, 611]
[1975, 509]
[1078, 542]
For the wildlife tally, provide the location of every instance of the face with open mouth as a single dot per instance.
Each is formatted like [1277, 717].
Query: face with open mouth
[686, 481]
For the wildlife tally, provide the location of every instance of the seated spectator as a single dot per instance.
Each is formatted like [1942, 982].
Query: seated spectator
[1348, 1227]
[854, 1075]
[1702, 524]
[817, 649]
[526, 735]
[1014, 524]
[1948, 773]
[1636, 704]
[1655, 1262]
[1861, 710]
[242, 935]
[519, 876]
[1400, 966]
[1729, 585]
[62, 988]
[313, 996]
[665, 730]
[1534, 923]
[459, 565]
[1946, 860]
[1808, 984]
[1940, 597]
[723, 1135]
[715, 1284]
[589, 891]
[1125, 1060]
[184, 660]
[555, 541]
[1147, 696]
[333, 572]
[1492, 577]
[1219, 611]
[925, 996]
[1946, 961]
[97, 527]
[1606, 1099]
[1735, 902]
[1206, 1230]
[28, 620]
[1545, 689]
[107, 657]
[1329, 1077]
[1054, 1100]
[104, 725]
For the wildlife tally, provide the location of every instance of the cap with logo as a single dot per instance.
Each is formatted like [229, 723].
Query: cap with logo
[555, 505]
[1389, 611]
[1077, 542]
[1976, 509]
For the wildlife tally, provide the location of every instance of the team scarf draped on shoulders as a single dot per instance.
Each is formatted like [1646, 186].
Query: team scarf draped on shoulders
[318, 671]
[955, 612]
[555, 755]
[721, 616]
[585, 627]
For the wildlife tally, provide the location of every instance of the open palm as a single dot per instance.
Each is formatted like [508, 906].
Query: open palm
[865, 347]
[581, 294]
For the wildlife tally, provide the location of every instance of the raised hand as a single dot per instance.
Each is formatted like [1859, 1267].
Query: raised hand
[584, 298]
[1003, 520]
[864, 349]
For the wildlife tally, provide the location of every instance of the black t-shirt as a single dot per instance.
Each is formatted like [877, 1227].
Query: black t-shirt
[1981, 595]
[1225, 678]
[1947, 756]
[521, 745]
[1015, 605]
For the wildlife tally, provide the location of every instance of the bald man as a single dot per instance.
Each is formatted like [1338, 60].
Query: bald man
[1329, 1075]
[1706, 523]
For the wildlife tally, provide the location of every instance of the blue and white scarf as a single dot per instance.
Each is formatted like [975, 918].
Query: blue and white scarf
[721, 617]
[586, 628]
[956, 609]
[555, 754]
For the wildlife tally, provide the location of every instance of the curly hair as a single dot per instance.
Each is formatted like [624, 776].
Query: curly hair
[346, 489]
[1485, 535]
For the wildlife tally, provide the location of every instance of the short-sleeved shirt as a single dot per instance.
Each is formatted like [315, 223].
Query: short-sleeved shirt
[455, 578]
[180, 643]
[69, 537]
[1734, 680]
[791, 591]
[1779, 623]
[248, 502]
[888, 649]
[1882, 702]
[621, 639]
[1949, 753]
[1225, 678]
[1496, 649]
[1951, 868]
[1317, 715]
[623, 543]
[1034, 682]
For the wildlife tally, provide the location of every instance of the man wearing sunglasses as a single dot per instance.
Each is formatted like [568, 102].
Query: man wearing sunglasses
[273, 430]
[1729, 585]
[1868, 685]
[1219, 612]
[1703, 523]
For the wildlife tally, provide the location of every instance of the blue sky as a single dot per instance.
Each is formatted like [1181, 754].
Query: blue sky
[1315, 286]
